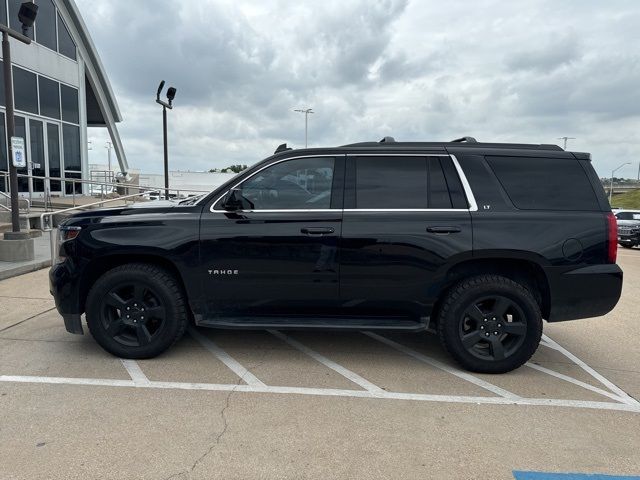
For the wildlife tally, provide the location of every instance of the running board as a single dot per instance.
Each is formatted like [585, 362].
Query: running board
[314, 323]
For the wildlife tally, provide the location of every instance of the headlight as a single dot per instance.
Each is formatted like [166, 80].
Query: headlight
[64, 235]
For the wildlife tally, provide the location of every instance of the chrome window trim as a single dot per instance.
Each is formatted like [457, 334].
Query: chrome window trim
[211, 209]
[473, 206]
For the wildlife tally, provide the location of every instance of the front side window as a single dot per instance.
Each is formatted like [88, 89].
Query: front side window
[294, 184]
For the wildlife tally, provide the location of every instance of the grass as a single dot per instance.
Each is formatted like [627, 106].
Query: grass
[629, 200]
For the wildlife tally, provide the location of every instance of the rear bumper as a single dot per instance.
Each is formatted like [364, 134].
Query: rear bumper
[583, 293]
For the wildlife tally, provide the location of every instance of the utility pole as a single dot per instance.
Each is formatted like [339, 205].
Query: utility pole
[565, 140]
[306, 112]
[171, 95]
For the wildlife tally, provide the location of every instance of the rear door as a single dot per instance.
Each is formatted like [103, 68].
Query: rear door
[405, 218]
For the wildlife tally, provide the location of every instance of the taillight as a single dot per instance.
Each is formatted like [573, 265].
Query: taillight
[612, 238]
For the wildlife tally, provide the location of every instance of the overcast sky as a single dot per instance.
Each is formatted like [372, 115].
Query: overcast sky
[513, 71]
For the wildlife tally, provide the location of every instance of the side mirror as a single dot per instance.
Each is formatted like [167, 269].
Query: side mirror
[233, 202]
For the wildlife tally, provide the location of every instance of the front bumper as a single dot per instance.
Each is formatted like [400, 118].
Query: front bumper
[583, 293]
[631, 240]
[63, 286]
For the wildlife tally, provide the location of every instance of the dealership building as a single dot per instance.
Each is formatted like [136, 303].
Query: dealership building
[60, 89]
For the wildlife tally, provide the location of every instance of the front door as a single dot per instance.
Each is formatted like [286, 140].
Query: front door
[405, 218]
[278, 254]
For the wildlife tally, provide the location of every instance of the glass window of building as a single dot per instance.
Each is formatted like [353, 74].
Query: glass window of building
[2, 100]
[66, 45]
[14, 8]
[3, 14]
[46, 25]
[71, 143]
[49, 98]
[70, 111]
[53, 149]
[4, 164]
[36, 135]
[21, 131]
[25, 88]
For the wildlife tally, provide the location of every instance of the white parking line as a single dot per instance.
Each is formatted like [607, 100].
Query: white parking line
[446, 368]
[134, 371]
[227, 359]
[345, 372]
[624, 396]
[420, 397]
[569, 379]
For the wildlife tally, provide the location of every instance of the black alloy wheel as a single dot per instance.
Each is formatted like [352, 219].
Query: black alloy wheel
[490, 323]
[136, 310]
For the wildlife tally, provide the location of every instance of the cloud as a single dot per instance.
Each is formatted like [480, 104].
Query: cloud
[412, 69]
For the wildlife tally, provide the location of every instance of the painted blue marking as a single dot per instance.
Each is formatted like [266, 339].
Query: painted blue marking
[569, 476]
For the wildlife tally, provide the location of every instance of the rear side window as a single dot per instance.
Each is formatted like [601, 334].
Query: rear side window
[544, 183]
[401, 183]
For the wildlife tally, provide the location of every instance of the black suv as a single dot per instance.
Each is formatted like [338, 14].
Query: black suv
[478, 241]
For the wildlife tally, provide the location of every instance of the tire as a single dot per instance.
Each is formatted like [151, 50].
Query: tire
[136, 311]
[490, 324]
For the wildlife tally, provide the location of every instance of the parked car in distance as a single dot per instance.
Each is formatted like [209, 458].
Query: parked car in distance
[480, 241]
[628, 228]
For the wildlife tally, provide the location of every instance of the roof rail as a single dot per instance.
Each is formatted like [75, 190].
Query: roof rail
[387, 140]
[464, 139]
[282, 148]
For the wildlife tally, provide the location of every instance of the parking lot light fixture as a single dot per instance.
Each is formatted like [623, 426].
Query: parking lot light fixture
[171, 95]
[27, 16]
[611, 184]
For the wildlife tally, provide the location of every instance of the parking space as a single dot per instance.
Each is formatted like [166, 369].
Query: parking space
[277, 404]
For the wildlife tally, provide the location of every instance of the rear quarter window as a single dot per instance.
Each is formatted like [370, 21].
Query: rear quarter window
[544, 183]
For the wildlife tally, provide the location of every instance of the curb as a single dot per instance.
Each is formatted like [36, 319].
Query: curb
[22, 269]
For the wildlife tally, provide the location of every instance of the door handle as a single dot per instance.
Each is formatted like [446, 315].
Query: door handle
[443, 230]
[317, 231]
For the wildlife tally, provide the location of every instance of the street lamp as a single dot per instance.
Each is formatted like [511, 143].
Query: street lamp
[27, 16]
[565, 140]
[611, 184]
[171, 94]
[306, 112]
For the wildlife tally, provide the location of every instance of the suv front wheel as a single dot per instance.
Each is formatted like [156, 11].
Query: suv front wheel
[136, 311]
[490, 324]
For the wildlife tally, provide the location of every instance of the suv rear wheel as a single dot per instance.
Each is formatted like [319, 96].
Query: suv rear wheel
[136, 311]
[490, 324]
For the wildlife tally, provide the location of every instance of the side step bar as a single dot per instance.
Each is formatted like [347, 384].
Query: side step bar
[314, 323]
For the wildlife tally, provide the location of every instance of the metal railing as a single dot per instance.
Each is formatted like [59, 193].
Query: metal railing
[104, 188]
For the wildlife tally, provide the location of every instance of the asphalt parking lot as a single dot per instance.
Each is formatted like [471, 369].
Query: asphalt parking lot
[300, 405]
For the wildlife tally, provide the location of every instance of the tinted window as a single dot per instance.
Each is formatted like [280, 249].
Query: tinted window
[3, 13]
[2, 101]
[36, 136]
[69, 187]
[545, 183]
[71, 144]
[70, 111]
[438, 190]
[66, 45]
[628, 216]
[14, 8]
[4, 165]
[46, 24]
[21, 131]
[392, 182]
[53, 149]
[295, 184]
[25, 90]
[49, 98]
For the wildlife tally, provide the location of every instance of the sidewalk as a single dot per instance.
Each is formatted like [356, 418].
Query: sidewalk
[42, 259]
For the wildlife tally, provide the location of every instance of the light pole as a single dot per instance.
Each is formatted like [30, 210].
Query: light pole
[612, 173]
[171, 94]
[306, 112]
[27, 16]
[109, 146]
[565, 140]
